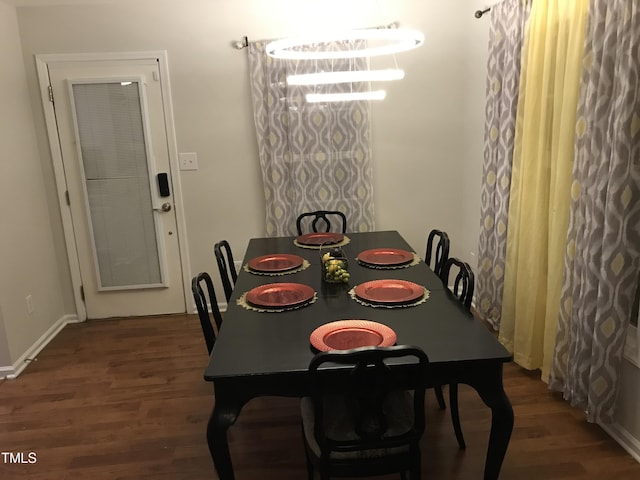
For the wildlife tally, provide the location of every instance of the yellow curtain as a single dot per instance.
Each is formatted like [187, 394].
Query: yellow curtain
[541, 180]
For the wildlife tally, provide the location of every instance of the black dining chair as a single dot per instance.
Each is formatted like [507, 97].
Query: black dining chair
[227, 268]
[463, 282]
[205, 298]
[462, 288]
[440, 240]
[312, 219]
[441, 252]
[368, 421]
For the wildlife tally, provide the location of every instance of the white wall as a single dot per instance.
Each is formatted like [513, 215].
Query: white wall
[28, 264]
[627, 428]
[427, 134]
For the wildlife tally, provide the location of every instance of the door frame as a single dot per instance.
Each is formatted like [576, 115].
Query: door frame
[42, 63]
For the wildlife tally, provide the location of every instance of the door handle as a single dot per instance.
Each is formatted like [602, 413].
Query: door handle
[165, 207]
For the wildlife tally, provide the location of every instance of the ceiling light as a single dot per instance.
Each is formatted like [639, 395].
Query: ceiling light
[345, 97]
[324, 78]
[374, 41]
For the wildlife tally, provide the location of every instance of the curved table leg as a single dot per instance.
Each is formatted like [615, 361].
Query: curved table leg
[455, 415]
[438, 391]
[224, 414]
[488, 384]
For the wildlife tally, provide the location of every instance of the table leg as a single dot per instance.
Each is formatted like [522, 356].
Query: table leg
[488, 384]
[222, 417]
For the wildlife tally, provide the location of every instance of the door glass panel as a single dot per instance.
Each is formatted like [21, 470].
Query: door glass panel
[114, 159]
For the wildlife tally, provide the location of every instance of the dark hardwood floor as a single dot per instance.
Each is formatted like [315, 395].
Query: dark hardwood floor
[125, 400]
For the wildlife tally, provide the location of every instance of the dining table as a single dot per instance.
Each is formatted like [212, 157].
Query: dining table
[265, 351]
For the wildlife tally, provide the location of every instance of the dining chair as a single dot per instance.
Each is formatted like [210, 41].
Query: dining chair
[371, 422]
[325, 216]
[462, 288]
[441, 253]
[206, 299]
[463, 283]
[440, 240]
[227, 268]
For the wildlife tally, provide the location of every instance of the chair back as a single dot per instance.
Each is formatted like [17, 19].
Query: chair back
[227, 268]
[441, 253]
[464, 281]
[205, 298]
[370, 396]
[312, 219]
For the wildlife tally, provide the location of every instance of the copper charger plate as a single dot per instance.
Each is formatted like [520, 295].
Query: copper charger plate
[389, 291]
[280, 262]
[278, 295]
[320, 238]
[348, 334]
[386, 257]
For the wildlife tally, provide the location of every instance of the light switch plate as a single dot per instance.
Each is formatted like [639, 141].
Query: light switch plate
[188, 161]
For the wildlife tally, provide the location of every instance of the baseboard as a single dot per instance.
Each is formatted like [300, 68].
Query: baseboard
[632, 346]
[624, 438]
[12, 371]
[222, 306]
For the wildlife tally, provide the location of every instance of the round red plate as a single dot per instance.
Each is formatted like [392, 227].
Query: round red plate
[389, 291]
[320, 238]
[280, 262]
[385, 256]
[274, 295]
[348, 334]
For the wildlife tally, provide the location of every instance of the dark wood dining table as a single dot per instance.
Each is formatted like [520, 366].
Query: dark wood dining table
[268, 353]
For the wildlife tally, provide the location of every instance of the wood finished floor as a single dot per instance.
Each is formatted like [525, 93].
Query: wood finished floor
[125, 400]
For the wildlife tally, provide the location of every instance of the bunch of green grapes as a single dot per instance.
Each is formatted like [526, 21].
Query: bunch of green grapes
[334, 269]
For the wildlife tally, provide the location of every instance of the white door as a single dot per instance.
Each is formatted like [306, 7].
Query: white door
[114, 147]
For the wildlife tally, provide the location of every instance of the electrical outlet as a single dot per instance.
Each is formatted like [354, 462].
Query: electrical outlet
[30, 307]
[188, 161]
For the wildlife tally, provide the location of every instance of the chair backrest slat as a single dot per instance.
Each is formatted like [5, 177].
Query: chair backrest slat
[205, 299]
[441, 253]
[226, 266]
[464, 281]
[320, 217]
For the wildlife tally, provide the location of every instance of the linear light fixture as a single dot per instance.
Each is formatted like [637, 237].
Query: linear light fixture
[345, 97]
[375, 42]
[325, 78]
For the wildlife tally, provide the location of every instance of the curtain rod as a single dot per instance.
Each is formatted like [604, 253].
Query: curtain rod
[244, 43]
[479, 13]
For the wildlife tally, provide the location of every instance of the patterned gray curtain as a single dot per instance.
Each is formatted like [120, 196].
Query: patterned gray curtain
[314, 156]
[602, 258]
[506, 37]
